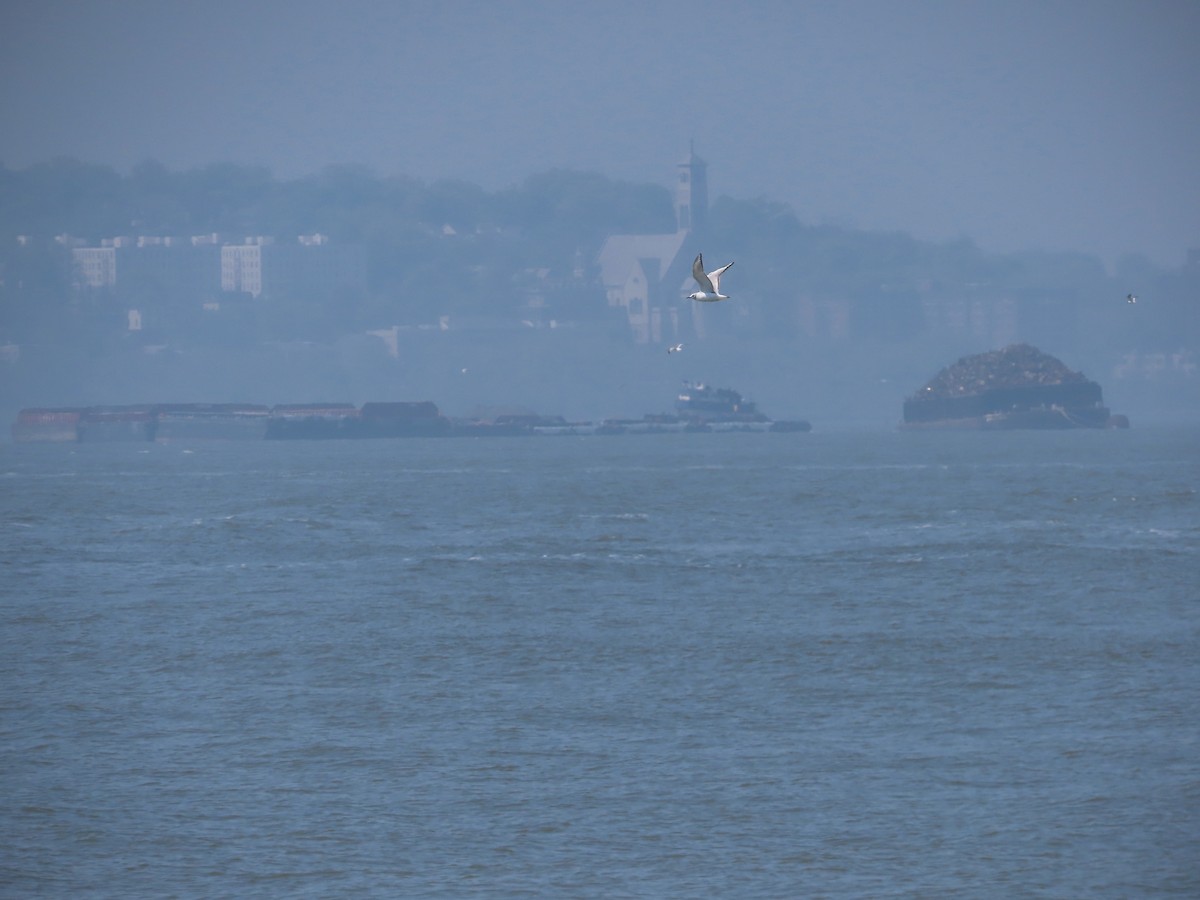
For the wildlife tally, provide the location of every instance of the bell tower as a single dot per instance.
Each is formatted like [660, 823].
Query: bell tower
[691, 192]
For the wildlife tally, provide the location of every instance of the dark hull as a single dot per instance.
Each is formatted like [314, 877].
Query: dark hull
[105, 432]
[105, 424]
[215, 429]
[43, 433]
[314, 429]
[356, 429]
[398, 428]
[1050, 419]
[1037, 407]
[790, 425]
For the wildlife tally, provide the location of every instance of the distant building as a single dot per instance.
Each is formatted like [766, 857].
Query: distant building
[95, 267]
[691, 193]
[648, 275]
[242, 266]
[312, 263]
[146, 265]
[152, 267]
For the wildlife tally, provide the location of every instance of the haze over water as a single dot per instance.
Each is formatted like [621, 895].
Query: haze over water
[1020, 125]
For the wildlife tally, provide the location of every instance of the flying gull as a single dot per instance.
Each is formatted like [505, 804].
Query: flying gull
[675, 348]
[1130, 298]
[710, 284]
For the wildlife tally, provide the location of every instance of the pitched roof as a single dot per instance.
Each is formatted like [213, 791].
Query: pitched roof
[622, 252]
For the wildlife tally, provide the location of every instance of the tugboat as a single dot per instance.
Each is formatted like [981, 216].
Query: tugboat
[706, 408]
[699, 401]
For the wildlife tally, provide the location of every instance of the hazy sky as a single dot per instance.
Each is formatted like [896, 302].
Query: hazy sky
[1056, 124]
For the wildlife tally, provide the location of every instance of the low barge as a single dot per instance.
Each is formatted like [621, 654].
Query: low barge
[698, 409]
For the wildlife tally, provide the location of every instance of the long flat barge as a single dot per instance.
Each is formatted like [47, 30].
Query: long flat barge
[187, 422]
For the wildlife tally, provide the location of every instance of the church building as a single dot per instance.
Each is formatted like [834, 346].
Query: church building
[650, 275]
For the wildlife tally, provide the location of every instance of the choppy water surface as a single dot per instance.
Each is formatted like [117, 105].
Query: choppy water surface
[680, 665]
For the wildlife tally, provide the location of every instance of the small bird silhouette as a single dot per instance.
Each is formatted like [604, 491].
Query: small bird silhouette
[1130, 298]
[675, 348]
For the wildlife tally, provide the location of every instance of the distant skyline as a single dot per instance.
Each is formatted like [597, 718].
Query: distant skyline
[1064, 126]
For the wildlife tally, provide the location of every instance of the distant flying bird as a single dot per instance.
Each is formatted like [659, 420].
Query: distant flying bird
[1130, 298]
[710, 284]
[675, 348]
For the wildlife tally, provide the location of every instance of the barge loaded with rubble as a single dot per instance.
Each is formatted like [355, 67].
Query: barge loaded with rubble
[1016, 387]
[698, 408]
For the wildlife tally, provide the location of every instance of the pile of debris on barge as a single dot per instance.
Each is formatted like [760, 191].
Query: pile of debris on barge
[1016, 387]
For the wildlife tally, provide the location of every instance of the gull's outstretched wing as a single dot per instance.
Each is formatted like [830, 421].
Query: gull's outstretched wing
[715, 278]
[701, 278]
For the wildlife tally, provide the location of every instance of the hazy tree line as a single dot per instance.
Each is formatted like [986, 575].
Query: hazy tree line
[451, 247]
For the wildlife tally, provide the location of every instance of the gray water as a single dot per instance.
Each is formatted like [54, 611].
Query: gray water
[822, 665]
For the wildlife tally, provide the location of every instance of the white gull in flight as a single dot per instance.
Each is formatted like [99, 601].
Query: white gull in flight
[710, 284]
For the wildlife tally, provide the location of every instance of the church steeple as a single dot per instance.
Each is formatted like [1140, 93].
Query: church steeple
[691, 192]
